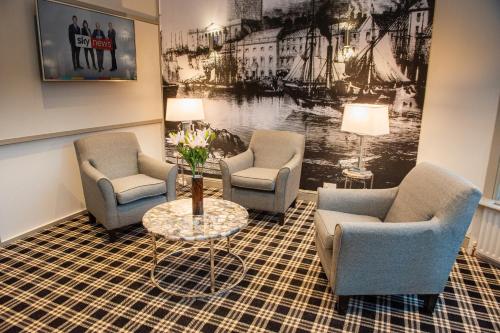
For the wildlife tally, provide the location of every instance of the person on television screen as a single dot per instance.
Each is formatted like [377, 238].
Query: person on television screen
[99, 34]
[87, 32]
[112, 36]
[73, 30]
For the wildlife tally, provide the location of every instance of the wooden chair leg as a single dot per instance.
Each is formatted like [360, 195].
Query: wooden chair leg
[281, 217]
[342, 304]
[112, 236]
[430, 301]
[92, 218]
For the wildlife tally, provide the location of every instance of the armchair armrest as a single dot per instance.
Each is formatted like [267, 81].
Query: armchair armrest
[288, 183]
[231, 165]
[391, 258]
[359, 201]
[237, 163]
[99, 195]
[159, 170]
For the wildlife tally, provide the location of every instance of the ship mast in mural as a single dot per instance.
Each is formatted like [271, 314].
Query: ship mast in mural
[314, 79]
[234, 57]
[294, 64]
[375, 67]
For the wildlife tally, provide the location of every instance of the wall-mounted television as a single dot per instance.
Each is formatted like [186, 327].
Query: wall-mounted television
[79, 44]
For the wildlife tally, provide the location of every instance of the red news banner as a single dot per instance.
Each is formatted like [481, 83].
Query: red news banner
[93, 43]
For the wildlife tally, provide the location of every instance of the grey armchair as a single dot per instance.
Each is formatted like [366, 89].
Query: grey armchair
[267, 175]
[394, 241]
[120, 183]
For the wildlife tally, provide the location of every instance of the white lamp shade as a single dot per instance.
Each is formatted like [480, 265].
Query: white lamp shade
[366, 119]
[184, 109]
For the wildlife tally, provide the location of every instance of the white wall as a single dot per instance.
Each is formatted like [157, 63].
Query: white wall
[30, 107]
[492, 183]
[39, 181]
[143, 8]
[463, 87]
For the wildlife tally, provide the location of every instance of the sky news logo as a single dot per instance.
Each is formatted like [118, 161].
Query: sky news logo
[93, 43]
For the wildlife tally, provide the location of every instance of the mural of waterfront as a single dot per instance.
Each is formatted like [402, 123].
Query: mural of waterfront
[293, 64]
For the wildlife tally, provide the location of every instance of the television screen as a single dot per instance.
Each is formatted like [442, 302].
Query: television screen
[83, 44]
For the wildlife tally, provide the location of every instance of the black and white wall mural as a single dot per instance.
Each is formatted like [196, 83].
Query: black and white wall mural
[293, 65]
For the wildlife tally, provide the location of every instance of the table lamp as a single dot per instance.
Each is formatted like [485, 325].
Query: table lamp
[363, 120]
[184, 110]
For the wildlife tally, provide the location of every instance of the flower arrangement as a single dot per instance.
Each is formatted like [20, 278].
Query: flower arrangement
[193, 146]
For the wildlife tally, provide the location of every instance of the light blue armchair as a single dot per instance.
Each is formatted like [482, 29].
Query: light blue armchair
[120, 182]
[267, 175]
[400, 240]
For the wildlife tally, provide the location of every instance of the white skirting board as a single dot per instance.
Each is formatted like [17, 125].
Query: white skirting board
[40, 228]
[209, 182]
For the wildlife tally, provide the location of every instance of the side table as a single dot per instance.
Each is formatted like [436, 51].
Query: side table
[173, 221]
[357, 176]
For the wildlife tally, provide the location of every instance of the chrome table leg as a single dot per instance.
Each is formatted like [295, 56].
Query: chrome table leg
[212, 267]
[213, 290]
[153, 246]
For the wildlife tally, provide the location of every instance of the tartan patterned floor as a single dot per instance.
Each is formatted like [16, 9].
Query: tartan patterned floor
[70, 279]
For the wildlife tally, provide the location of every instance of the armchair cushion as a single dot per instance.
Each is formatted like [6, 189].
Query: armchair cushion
[429, 191]
[263, 179]
[326, 220]
[135, 187]
[160, 170]
[273, 149]
[113, 154]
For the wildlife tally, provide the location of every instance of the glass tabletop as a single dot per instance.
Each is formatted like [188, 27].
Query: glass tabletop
[174, 220]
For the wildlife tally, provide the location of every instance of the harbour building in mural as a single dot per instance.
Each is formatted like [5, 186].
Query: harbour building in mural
[302, 63]
[256, 54]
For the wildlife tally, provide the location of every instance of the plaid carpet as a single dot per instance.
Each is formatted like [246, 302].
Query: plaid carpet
[69, 278]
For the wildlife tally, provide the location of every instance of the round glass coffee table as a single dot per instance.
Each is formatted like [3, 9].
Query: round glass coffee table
[174, 221]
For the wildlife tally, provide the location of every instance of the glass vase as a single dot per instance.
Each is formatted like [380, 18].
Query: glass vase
[197, 194]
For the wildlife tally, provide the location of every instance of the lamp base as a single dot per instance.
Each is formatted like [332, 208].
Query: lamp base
[360, 168]
[186, 126]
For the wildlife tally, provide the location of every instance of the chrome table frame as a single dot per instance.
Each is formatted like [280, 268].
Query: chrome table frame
[211, 247]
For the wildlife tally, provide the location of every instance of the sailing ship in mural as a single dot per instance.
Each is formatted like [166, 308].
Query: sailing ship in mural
[294, 64]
